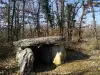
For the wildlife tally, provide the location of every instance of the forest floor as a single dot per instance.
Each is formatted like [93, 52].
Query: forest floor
[83, 61]
[89, 66]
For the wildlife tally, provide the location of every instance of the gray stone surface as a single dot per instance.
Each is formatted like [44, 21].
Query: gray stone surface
[25, 58]
[40, 40]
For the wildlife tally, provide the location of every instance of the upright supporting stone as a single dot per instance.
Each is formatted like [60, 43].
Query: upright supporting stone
[58, 54]
[25, 60]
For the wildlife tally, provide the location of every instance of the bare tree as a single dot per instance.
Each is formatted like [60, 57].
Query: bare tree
[81, 18]
[12, 21]
[46, 9]
[18, 26]
[94, 21]
[24, 1]
[60, 14]
[9, 38]
[38, 19]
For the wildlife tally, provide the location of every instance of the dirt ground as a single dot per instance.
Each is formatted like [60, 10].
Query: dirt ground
[77, 63]
[87, 66]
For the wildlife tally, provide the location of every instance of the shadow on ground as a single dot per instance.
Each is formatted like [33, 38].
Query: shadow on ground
[43, 67]
[73, 54]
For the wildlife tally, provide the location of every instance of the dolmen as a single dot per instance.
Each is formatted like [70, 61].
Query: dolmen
[48, 49]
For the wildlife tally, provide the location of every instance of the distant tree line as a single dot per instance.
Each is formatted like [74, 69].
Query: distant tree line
[56, 13]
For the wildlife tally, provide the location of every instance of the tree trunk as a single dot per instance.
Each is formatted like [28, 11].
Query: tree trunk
[12, 28]
[23, 35]
[38, 24]
[62, 16]
[80, 26]
[94, 23]
[18, 25]
[58, 18]
[9, 21]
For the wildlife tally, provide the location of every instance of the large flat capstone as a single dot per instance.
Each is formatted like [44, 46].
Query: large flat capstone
[40, 40]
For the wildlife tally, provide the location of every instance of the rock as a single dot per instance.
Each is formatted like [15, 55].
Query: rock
[25, 58]
[58, 54]
[40, 40]
[57, 59]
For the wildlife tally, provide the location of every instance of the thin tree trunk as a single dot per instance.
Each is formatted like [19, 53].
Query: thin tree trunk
[23, 34]
[18, 25]
[38, 24]
[12, 31]
[81, 19]
[58, 19]
[62, 16]
[15, 33]
[9, 21]
[94, 22]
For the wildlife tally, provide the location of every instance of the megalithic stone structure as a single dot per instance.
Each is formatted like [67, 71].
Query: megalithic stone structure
[51, 49]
